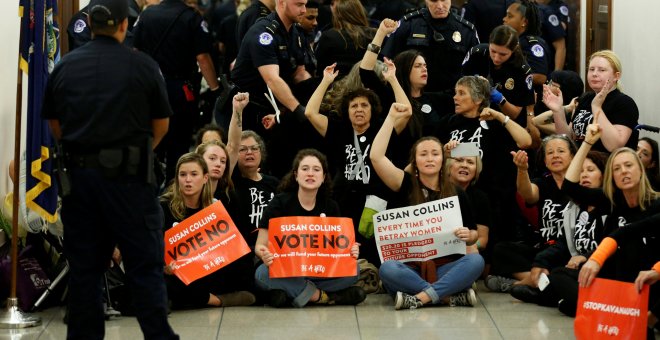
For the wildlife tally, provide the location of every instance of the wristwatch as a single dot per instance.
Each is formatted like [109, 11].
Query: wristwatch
[373, 48]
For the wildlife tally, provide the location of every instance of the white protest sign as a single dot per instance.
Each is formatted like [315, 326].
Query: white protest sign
[419, 232]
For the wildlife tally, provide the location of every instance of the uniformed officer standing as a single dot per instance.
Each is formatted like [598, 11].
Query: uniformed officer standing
[444, 39]
[178, 38]
[273, 55]
[79, 33]
[107, 104]
[254, 12]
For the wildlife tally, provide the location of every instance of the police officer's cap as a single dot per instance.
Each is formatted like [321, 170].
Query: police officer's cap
[107, 12]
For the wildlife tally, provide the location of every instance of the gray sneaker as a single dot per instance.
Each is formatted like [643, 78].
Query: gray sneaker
[465, 298]
[406, 301]
[499, 283]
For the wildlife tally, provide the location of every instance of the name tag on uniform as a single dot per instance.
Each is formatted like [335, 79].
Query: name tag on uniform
[420, 36]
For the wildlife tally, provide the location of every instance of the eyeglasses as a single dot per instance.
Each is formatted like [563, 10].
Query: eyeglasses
[245, 148]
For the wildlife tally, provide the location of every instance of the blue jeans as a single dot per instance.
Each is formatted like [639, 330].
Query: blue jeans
[453, 277]
[301, 289]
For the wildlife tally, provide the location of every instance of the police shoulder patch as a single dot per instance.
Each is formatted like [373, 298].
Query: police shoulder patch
[529, 81]
[537, 51]
[265, 38]
[79, 25]
[553, 20]
[563, 10]
[205, 26]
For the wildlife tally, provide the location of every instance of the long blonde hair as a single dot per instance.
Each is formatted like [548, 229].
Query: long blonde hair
[173, 193]
[645, 193]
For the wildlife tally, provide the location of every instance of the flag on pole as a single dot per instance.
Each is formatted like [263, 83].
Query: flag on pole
[39, 53]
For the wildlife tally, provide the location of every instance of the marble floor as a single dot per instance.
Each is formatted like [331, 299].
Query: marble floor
[496, 316]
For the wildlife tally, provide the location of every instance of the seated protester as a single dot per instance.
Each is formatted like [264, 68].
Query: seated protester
[210, 132]
[444, 280]
[647, 150]
[228, 286]
[222, 159]
[349, 141]
[634, 225]
[583, 230]
[620, 111]
[464, 172]
[411, 72]
[253, 188]
[305, 191]
[513, 261]
[496, 135]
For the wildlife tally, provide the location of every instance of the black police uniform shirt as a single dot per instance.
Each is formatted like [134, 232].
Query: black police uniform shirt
[551, 204]
[561, 8]
[513, 79]
[268, 43]
[486, 14]
[619, 108]
[105, 94]
[551, 28]
[537, 53]
[78, 31]
[188, 38]
[444, 43]
[250, 15]
[253, 197]
[287, 204]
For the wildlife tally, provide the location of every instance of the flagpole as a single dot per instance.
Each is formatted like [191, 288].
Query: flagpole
[13, 317]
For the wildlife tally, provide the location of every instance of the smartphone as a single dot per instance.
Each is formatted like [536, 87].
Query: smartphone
[544, 281]
[465, 150]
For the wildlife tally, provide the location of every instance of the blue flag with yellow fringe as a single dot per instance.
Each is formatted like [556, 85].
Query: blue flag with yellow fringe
[39, 52]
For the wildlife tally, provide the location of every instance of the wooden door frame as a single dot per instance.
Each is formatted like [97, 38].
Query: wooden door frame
[590, 33]
[65, 11]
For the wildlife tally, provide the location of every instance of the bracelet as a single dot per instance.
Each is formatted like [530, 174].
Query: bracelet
[530, 114]
[592, 144]
[506, 120]
[373, 48]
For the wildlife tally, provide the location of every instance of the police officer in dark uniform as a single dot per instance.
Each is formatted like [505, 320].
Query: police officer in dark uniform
[178, 38]
[273, 55]
[79, 33]
[444, 39]
[107, 105]
[485, 14]
[554, 32]
[257, 10]
[510, 75]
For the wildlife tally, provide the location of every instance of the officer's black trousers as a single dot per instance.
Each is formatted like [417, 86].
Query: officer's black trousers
[99, 214]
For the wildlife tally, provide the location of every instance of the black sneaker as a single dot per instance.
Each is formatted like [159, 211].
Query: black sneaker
[277, 298]
[465, 298]
[406, 301]
[526, 293]
[349, 296]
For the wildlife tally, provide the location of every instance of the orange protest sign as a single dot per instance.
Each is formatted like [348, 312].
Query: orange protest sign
[203, 243]
[311, 246]
[611, 309]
